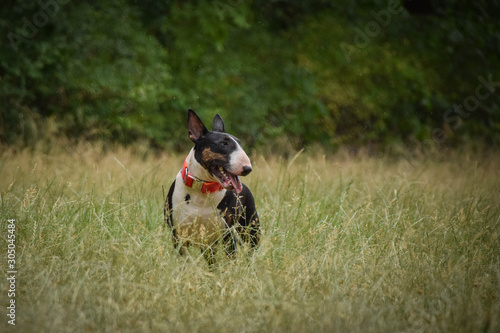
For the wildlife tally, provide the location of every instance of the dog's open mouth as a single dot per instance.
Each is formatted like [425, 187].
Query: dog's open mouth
[228, 180]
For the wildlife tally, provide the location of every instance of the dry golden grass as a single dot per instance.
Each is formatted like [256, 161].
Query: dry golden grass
[349, 244]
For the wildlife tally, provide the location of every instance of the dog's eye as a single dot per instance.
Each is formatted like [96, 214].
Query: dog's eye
[224, 143]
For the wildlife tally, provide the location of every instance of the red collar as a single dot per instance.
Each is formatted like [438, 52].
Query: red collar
[189, 180]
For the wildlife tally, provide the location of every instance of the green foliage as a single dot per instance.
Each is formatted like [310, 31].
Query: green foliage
[97, 74]
[295, 72]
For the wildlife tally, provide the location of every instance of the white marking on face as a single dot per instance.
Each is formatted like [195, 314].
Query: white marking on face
[238, 159]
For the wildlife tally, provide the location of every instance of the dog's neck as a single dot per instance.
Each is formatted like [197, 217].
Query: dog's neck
[197, 170]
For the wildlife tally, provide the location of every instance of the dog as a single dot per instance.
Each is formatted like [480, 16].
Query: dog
[207, 205]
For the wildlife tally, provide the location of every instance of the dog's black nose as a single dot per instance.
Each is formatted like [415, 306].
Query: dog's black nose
[246, 170]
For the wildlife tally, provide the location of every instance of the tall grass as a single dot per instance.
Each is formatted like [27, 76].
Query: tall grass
[349, 244]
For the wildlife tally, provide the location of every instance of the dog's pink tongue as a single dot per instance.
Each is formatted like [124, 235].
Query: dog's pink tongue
[235, 180]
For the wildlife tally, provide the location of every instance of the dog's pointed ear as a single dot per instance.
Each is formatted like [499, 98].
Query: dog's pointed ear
[195, 126]
[218, 125]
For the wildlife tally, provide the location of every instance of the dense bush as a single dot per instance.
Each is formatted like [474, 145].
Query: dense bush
[289, 72]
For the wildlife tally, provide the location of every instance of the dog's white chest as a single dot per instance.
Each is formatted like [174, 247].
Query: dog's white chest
[195, 215]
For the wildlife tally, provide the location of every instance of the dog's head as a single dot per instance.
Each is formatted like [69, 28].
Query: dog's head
[218, 152]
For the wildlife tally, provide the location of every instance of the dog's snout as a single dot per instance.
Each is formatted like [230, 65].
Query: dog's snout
[246, 170]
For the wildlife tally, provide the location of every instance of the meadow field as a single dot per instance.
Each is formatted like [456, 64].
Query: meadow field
[350, 244]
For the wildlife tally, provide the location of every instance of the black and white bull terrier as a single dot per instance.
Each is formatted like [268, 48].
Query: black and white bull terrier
[207, 205]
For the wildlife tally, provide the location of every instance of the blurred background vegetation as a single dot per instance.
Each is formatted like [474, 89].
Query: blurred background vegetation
[284, 73]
